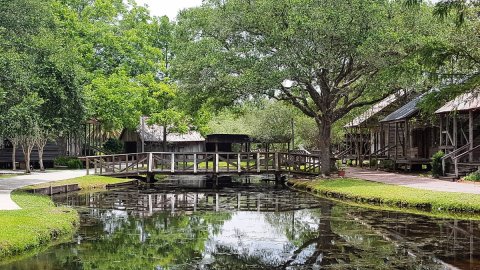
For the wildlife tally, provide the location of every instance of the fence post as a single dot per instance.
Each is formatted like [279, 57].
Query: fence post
[172, 164]
[258, 162]
[195, 166]
[87, 165]
[216, 162]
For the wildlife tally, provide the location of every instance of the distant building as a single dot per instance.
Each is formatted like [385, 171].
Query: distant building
[152, 137]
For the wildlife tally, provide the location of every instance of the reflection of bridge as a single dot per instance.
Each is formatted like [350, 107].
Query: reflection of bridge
[124, 165]
[148, 202]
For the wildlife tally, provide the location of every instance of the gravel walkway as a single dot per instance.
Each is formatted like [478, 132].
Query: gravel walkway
[7, 185]
[413, 181]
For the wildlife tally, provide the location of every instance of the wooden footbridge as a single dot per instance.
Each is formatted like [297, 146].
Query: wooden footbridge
[228, 163]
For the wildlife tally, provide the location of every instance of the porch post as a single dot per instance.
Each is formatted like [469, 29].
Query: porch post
[470, 134]
[455, 132]
[441, 130]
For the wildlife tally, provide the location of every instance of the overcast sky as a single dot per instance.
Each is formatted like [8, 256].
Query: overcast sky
[168, 7]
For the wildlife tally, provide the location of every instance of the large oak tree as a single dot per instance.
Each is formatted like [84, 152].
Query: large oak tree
[324, 57]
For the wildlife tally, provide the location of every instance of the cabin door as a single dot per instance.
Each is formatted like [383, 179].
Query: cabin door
[423, 140]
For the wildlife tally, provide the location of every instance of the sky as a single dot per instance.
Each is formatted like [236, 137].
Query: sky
[168, 7]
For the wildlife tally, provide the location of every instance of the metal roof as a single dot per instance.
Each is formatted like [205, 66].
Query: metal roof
[465, 102]
[372, 111]
[405, 111]
[154, 133]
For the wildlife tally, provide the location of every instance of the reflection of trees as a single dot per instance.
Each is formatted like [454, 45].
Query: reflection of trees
[161, 241]
[326, 238]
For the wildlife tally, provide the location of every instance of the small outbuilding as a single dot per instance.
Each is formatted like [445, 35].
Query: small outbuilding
[228, 143]
[151, 136]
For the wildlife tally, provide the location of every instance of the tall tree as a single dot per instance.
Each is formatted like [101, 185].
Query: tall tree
[324, 57]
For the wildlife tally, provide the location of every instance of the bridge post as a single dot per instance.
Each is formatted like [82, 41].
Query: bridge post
[239, 159]
[277, 168]
[87, 165]
[258, 162]
[150, 162]
[216, 162]
[172, 164]
[195, 166]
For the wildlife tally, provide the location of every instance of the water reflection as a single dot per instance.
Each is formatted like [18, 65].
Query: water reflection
[252, 226]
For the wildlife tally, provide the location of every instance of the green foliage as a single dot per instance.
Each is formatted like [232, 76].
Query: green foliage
[390, 195]
[437, 164]
[113, 145]
[75, 164]
[475, 177]
[69, 162]
[38, 223]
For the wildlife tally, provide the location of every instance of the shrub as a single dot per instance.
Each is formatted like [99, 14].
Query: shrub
[114, 146]
[75, 164]
[62, 161]
[437, 164]
[475, 176]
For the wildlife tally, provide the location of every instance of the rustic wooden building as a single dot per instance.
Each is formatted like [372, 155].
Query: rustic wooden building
[410, 140]
[364, 136]
[460, 132]
[152, 138]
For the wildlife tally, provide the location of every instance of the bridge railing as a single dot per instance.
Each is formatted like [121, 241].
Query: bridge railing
[203, 162]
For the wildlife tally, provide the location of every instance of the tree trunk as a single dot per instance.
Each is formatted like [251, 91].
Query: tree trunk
[40, 157]
[14, 152]
[41, 142]
[324, 144]
[27, 148]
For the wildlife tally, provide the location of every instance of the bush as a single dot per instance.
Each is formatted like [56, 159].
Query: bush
[69, 162]
[437, 164]
[475, 177]
[75, 164]
[113, 146]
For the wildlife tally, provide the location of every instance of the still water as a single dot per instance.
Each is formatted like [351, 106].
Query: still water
[250, 224]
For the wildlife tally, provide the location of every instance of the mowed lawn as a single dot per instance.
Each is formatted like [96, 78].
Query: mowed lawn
[363, 191]
[40, 222]
[36, 224]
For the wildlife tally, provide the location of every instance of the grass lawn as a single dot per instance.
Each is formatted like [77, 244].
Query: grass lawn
[38, 223]
[361, 191]
[87, 182]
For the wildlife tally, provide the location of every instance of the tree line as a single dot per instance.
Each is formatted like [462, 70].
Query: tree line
[65, 61]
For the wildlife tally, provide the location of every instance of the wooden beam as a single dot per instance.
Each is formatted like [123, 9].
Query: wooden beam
[455, 131]
[470, 134]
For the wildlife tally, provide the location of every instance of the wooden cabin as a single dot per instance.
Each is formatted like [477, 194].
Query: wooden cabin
[151, 136]
[410, 140]
[460, 133]
[364, 136]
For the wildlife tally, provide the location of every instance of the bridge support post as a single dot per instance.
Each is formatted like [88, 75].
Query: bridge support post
[150, 177]
[279, 178]
[195, 165]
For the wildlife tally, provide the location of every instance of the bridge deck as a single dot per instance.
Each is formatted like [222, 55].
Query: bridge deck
[169, 163]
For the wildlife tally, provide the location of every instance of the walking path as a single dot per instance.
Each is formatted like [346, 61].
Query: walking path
[7, 185]
[413, 181]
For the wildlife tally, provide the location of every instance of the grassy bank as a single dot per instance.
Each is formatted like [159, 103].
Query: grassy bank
[362, 191]
[88, 182]
[38, 223]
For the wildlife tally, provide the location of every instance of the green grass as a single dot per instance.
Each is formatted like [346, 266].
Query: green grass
[361, 191]
[38, 223]
[3, 176]
[88, 182]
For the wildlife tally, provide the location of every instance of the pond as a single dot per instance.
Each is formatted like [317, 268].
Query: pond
[249, 224]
